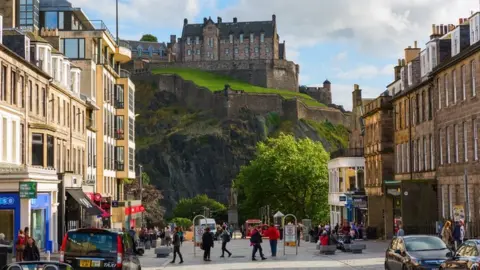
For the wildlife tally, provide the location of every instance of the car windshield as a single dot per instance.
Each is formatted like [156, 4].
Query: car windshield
[87, 243]
[422, 243]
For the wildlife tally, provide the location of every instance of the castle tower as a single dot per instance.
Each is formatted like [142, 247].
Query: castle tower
[328, 91]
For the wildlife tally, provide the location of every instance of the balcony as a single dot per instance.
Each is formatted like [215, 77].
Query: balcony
[123, 53]
[98, 25]
[348, 152]
[119, 134]
[119, 166]
[119, 104]
[124, 73]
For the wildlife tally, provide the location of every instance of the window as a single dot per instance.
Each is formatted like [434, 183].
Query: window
[440, 136]
[37, 149]
[74, 48]
[22, 91]
[415, 157]
[44, 102]
[198, 52]
[236, 50]
[37, 96]
[432, 153]
[119, 96]
[54, 20]
[267, 50]
[189, 52]
[3, 84]
[465, 141]
[417, 109]
[189, 41]
[230, 38]
[445, 85]
[398, 158]
[430, 104]
[241, 38]
[447, 130]
[410, 74]
[131, 159]
[74, 118]
[246, 50]
[52, 100]
[4, 139]
[256, 50]
[131, 100]
[50, 151]
[475, 139]
[474, 81]
[252, 38]
[210, 42]
[402, 146]
[119, 160]
[13, 93]
[439, 94]
[227, 51]
[59, 109]
[22, 143]
[262, 37]
[131, 129]
[419, 153]
[454, 82]
[455, 130]
[464, 83]
[408, 156]
[119, 129]
[425, 154]
[30, 95]
[28, 13]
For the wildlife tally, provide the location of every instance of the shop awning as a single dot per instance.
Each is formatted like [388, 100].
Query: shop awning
[86, 203]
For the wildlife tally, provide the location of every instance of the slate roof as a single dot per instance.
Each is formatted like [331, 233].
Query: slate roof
[146, 44]
[227, 28]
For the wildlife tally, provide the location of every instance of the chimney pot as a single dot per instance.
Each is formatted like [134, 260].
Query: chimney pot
[438, 30]
[399, 62]
[219, 19]
[445, 31]
[403, 62]
[409, 47]
[235, 20]
[185, 21]
[415, 44]
[433, 29]
[205, 20]
[441, 30]
[356, 87]
[274, 18]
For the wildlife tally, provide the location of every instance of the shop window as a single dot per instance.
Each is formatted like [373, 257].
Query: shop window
[37, 149]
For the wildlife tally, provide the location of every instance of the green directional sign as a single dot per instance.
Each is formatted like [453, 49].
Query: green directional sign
[27, 190]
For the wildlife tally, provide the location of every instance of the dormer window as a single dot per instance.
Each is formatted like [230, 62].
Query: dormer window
[241, 38]
[231, 38]
[75, 81]
[252, 38]
[262, 37]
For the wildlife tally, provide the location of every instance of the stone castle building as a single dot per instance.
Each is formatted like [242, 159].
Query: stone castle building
[214, 41]
[321, 94]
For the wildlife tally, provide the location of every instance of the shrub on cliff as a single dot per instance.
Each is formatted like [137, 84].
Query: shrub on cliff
[289, 175]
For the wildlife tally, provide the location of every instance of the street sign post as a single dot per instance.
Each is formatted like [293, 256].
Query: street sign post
[290, 228]
[197, 232]
[27, 190]
[290, 235]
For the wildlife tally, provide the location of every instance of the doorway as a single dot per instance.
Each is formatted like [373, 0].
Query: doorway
[7, 224]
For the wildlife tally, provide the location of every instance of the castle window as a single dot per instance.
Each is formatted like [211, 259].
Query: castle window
[188, 41]
[227, 51]
[262, 37]
[198, 52]
[231, 38]
[267, 50]
[256, 49]
[197, 40]
[236, 50]
[252, 38]
[210, 42]
[189, 52]
[246, 50]
[241, 38]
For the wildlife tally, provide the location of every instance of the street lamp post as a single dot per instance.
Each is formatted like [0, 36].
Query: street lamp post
[140, 169]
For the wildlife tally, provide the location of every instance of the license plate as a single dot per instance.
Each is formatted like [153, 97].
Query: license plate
[434, 269]
[85, 263]
[95, 263]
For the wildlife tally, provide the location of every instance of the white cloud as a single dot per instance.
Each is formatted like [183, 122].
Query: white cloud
[341, 56]
[342, 93]
[365, 72]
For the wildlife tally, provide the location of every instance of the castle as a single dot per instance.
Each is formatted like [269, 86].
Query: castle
[321, 94]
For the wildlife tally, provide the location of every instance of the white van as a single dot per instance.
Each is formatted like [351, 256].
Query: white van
[211, 224]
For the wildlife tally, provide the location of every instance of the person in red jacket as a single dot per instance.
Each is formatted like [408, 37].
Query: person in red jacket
[324, 239]
[273, 234]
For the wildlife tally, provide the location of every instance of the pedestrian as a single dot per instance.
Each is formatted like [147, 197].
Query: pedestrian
[207, 244]
[242, 230]
[324, 239]
[447, 234]
[400, 231]
[31, 252]
[336, 228]
[225, 236]
[2, 240]
[168, 236]
[20, 246]
[176, 245]
[456, 235]
[256, 242]
[273, 235]
[180, 233]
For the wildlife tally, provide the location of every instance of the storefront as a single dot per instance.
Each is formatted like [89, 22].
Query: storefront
[9, 215]
[133, 214]
[80, 210]
[40, 221]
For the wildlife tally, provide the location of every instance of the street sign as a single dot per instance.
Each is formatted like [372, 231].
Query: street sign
[290, 233]
[198, 233]
[27, 190]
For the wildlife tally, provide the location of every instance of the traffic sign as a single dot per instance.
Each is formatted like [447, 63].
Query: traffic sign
[198, 233]
[290, 234]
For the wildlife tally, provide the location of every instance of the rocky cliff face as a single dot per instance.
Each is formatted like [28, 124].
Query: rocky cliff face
[188, 152]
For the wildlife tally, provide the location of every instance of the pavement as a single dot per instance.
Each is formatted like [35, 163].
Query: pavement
[308, 258]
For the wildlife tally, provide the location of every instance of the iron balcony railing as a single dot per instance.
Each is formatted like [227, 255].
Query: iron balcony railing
[124, 44]
[119, 166]
[119, 134]
[347, 152]
[97, 25]
[124, 73]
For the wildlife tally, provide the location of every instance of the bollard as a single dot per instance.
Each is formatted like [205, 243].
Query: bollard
[48, 255]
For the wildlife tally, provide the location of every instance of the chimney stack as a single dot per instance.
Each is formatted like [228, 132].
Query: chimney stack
[185, 21]
[219, 19]
[274, 18]
[433, 29]
[415, 44]
[173, 38]
[205, 20]
[235, 20]
[460, 21]
[445, 31]
[399, 63]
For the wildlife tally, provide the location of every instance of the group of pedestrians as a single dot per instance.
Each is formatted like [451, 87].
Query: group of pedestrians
[453, 237]
[25, 247]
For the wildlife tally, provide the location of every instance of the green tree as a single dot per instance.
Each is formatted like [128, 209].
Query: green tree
[289, 175]
[149, 37]
[182, 222]
[190, 207]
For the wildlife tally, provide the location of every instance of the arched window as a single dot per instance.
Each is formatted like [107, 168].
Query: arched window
[139, 50]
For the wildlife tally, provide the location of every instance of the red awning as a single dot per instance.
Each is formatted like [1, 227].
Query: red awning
[91, 195]
[134, 209]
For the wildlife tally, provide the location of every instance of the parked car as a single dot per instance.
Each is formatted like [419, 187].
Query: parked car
[99, 248]
[416, 252]
[466, 257]
[41, 265]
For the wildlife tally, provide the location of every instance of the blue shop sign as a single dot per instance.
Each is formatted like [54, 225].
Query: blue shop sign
[7, 201]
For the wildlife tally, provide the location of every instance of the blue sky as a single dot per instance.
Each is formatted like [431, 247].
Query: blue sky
[347, 41]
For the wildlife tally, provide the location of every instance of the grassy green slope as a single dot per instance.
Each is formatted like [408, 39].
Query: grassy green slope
[215, 82]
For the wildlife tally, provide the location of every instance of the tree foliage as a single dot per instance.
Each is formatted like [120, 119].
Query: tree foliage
[289, 175]
[154, 212]
[149, 37]
[190, 207]
[182, 222]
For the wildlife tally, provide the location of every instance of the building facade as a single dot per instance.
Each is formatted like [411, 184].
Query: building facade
[219, 41]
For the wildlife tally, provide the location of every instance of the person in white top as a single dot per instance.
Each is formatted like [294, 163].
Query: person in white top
[168, 236]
